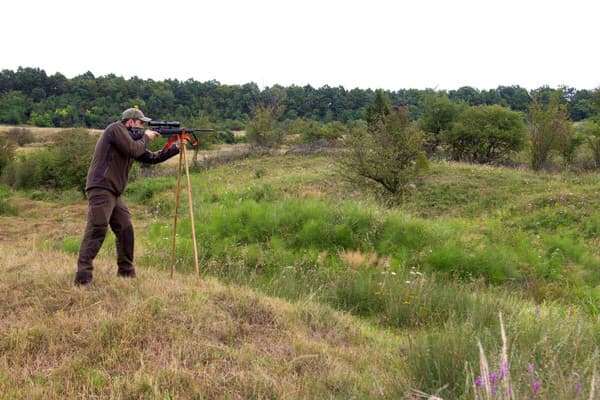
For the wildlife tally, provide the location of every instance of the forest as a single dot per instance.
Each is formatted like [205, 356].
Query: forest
[31, 96]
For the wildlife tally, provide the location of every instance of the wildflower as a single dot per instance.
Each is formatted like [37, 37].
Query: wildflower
[577, 384]
[503, 370]
[405, 302]
[493, 378]
[531, 368]
[536, 388]
[479, 381]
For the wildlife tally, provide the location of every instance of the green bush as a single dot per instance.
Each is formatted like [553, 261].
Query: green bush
[383, 155]
[485, 134]
[6, 207]
[63, 165]
[7, 152]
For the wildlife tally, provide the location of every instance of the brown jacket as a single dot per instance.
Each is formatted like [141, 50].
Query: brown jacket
[114, 155]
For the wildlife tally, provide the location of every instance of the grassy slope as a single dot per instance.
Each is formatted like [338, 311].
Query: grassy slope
[228, 342]
[161, 338]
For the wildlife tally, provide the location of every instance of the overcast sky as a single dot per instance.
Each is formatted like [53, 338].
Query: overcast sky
[439, 44]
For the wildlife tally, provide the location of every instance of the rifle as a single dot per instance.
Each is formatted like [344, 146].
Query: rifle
[173, 131]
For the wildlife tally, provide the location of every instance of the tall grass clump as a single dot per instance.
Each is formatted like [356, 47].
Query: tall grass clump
[6, 206]
[541, 353]
[243, 227]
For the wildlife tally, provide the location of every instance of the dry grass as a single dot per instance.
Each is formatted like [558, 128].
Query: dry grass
[156, 337]
[43, 134]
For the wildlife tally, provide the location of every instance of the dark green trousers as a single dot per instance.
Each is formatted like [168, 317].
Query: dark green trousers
[105, 209]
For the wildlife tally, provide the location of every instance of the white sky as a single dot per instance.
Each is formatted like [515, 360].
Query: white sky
[367, 44]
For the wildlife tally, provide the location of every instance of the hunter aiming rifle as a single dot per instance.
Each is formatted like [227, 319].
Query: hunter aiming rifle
[174, 131]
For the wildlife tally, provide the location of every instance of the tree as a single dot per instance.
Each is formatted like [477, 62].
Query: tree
[14, 108]
[548, 127]
[466, 94]
[378, 111]
[515, 97]
[581, 105]
[262, 129]
[486, 134]
[591, 131]
[439, 114]
[385, 153]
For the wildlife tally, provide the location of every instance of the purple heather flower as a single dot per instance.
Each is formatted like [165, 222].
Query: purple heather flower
[479, 381]
[493, 378]
[503, 370]
[536, 388]
[577, 388]
[531, 368]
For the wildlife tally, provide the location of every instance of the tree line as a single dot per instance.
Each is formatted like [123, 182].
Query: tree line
[30, 96]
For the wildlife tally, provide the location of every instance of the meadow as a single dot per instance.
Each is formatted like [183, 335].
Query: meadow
[312, 289]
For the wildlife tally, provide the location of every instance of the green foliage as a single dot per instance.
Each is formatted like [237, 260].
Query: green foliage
[384, 155]
[438, 117]
[262, 129]
[485, 134]
[591, 132]
[63, 165]
[40, 119]
[14, 107]
[549, 128]
[7, 152]
[30, 96]
[378, 111]
[6, 206]
[311, 131]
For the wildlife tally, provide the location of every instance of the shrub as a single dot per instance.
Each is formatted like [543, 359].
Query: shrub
[485, 134]
[262, 130]
[7, 152]
[591, 132]
[384, 155]
[20, 136]
[6, 208]
[439, 115]
[63, 165]
[548, 128]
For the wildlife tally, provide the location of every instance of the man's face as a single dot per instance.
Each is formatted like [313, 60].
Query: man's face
[135, 123]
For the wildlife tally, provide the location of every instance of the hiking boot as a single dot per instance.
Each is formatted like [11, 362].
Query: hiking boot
[82, 279]
[126, 274]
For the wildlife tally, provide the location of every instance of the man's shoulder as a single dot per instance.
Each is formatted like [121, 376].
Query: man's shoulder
[115, 126]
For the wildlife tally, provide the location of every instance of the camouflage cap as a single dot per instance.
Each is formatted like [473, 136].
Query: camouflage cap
[134, 113]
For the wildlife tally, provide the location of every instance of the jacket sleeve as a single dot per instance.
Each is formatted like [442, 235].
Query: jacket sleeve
[155, 157]
[125, 144]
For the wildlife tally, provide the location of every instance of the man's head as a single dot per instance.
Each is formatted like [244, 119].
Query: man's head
[134, 118]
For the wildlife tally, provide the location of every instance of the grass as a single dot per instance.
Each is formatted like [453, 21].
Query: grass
[312, 290]
[162, 338]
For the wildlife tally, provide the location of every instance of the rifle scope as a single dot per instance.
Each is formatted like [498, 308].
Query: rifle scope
[172, 124]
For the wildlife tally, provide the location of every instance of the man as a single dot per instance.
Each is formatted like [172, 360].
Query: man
[120, 143]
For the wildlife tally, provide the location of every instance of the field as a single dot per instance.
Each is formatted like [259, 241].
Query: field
[310, 289]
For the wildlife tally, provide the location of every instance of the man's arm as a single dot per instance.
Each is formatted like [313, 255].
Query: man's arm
[155, 157]
[125, 144]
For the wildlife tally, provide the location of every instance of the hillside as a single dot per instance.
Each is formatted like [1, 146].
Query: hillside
[311, 289]
[158, 338]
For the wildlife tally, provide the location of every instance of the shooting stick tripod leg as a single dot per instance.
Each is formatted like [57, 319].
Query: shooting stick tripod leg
[189, 192]
[176, 211]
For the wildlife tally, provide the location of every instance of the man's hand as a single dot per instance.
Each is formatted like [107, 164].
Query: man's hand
[181, 143]
[151, 134]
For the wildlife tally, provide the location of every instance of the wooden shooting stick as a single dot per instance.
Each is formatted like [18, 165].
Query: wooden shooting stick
[183, 158]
